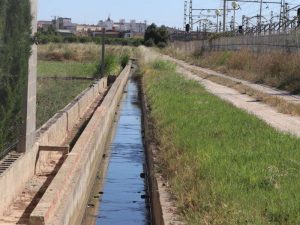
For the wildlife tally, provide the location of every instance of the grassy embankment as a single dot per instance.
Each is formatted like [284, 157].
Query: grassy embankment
[71, 60]
[276, 69]
[223, 165]
[267, 69]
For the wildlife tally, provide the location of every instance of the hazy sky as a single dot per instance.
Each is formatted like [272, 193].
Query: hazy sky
[168, 12]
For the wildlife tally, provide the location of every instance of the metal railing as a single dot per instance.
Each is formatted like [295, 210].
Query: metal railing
[8, 148]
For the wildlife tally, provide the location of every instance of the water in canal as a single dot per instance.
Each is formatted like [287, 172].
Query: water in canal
[123, 201]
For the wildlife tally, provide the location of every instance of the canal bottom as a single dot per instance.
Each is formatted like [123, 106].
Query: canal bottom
[124, 200]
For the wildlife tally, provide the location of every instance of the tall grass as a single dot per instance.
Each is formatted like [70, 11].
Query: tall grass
[82, 59]
[75, 60]
[223, 165]
[277, 69]
[67, 68]
[53, 95]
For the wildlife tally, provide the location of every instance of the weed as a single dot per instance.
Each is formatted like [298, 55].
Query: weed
[224, 166]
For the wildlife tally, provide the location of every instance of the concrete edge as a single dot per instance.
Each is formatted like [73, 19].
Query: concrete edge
[162, 207]
[70, 188]
[25, 164]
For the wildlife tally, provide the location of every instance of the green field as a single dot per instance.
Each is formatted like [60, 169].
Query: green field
[71, 60]
[224, 166]
[67, 68]
[53, 95]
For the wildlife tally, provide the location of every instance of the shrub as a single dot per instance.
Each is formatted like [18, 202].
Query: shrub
[157, 34]
[85, 39]
[57, 39]
[70, 39]
[149, 42]
[124, 59]
[124, 42]
[162, 44]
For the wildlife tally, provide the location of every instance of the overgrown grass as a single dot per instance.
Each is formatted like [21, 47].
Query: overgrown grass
[224, 166]
[72, 60]
[81, 59]
[67, 68]
[277, 69]
[53, 95]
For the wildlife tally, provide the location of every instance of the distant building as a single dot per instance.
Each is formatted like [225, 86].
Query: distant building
[86, 29]
[108, 24]
[132, 26]
[123, 26]
[44, 25]
[62, 23]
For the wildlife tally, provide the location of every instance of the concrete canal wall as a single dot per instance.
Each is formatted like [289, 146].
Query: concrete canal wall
[52, 133]
[66, 198]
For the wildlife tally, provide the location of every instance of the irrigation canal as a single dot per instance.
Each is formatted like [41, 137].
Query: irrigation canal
[120, 190]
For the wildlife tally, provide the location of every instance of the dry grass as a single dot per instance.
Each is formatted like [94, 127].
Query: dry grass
[271, 69]
[280, 104]
[276, 69]
[74, 52]
[79, 52]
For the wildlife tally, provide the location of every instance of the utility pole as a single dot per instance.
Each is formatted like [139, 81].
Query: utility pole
[185, 14]
[103, 53]
[224, 16]
[218, 13]
[235, 6]
[191, 15]
[271, 22]
[260, 14]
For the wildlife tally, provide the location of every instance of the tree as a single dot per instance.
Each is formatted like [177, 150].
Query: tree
[15, 30]
[156, 35]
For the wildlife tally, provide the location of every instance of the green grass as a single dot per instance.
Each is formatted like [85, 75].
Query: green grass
[224, 166]
[53, 95]
[71, 60]
[67, 68]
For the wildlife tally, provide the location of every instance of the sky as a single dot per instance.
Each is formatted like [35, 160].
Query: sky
[161, 12]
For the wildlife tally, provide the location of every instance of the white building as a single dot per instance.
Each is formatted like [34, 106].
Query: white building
[123, 26]
[131, 26]
[108, 24]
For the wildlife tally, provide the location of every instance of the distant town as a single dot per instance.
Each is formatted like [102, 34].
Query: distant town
[121, 29]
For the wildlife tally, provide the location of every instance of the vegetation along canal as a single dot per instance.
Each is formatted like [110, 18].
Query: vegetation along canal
[123, 190]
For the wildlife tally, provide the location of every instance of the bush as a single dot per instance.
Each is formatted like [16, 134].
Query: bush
[162, 44]
[149, 42]
[85, 39]
[70, 39]
[57, 39]
[124, 42]
[124, 59]
[137, 42]
[156, 34]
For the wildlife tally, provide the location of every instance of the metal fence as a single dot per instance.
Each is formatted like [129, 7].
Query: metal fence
[288, 42]
[8, 148]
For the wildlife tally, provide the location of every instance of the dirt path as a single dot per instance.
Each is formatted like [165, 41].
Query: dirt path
[284, 95]
[282, 122]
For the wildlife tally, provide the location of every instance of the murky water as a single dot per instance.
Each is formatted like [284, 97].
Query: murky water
[123, 201]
